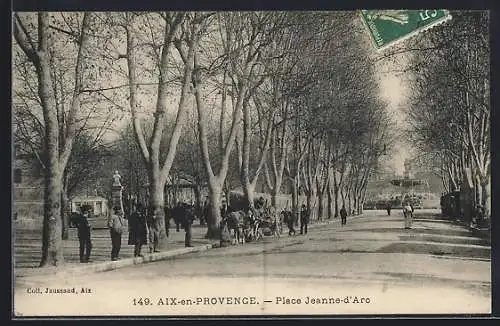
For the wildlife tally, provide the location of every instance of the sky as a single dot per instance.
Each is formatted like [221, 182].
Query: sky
[394, 90]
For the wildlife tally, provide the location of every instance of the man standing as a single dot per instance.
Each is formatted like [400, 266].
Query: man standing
[304, 219]
[116, 224]
[224, 209]
[290, 221]
[343, 215]
[152, 232]
[205, 212]
[187, 222]
[83, 227]
[408, 215]
[138, 229]
[388, 208]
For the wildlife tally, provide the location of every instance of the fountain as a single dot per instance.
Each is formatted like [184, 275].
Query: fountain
[408, 183]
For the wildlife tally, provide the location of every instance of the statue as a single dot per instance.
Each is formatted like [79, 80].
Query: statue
[117, 191]
[117, 179]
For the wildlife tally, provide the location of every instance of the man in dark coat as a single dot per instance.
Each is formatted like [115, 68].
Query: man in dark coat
[289, 220]
[168, 215]
[304, 219]
[138, 232]
[224, 209]
[83, 227]
[343, 215]
[189, 215]
[388, 208]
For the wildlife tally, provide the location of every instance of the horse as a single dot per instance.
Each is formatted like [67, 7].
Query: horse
[235, 222]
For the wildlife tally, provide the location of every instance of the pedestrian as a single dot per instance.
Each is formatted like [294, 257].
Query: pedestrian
[304, 219]
[116, 224]
[84, 231]
[168, 214]
[187, 222]
[205, 212]
[152, 232]
[388, 208]
[290, 221]
[408, 215]
[343, 216]
[138, 233]
[224, 208]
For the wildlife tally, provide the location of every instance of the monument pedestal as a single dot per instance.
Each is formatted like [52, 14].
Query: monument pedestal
[116, 197]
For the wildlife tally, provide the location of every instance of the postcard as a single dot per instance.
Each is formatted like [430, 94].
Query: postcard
[257, 163]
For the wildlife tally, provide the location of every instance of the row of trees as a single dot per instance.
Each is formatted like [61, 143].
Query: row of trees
[285, 99]
[450, 104]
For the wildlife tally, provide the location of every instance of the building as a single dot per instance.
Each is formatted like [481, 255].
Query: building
[27, 189]
[183, 189]
[99, 204]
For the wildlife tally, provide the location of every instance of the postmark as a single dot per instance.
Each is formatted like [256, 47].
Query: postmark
[389, 27]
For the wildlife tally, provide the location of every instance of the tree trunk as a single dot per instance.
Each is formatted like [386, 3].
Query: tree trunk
[199, 207]
[349, 203]
[336, 200]
[295, 199]
[274, 197]
[157, 202]
[213, 231]
[248, 192]
[52, 249]
[359, 205]
[309, 199]
[320, 205]
[65, 213]
[486, 193]
[330, 202]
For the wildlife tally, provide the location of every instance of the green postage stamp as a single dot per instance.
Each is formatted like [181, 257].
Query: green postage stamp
[388, 27]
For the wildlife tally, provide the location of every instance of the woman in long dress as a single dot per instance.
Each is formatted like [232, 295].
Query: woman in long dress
[408, 214]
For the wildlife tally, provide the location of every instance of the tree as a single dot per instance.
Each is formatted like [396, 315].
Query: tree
[450, 105]
[238, 53]
[160, 55]
[39, 51]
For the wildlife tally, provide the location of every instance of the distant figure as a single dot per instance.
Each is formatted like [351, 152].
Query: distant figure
[224, 209]
[304, 219]
[343, 216]
[388, 208]
[138, 231]
[84, 231]
[225, 234]
[117, 179]
[288, 218]
[116, 224]
[188, 217]
[205, 212]
[408, 215]
[152, 232]
[478, 216]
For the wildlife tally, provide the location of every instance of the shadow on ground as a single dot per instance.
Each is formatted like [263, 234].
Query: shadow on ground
[460, 233]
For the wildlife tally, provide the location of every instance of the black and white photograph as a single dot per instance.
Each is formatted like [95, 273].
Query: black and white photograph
[251, 163]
